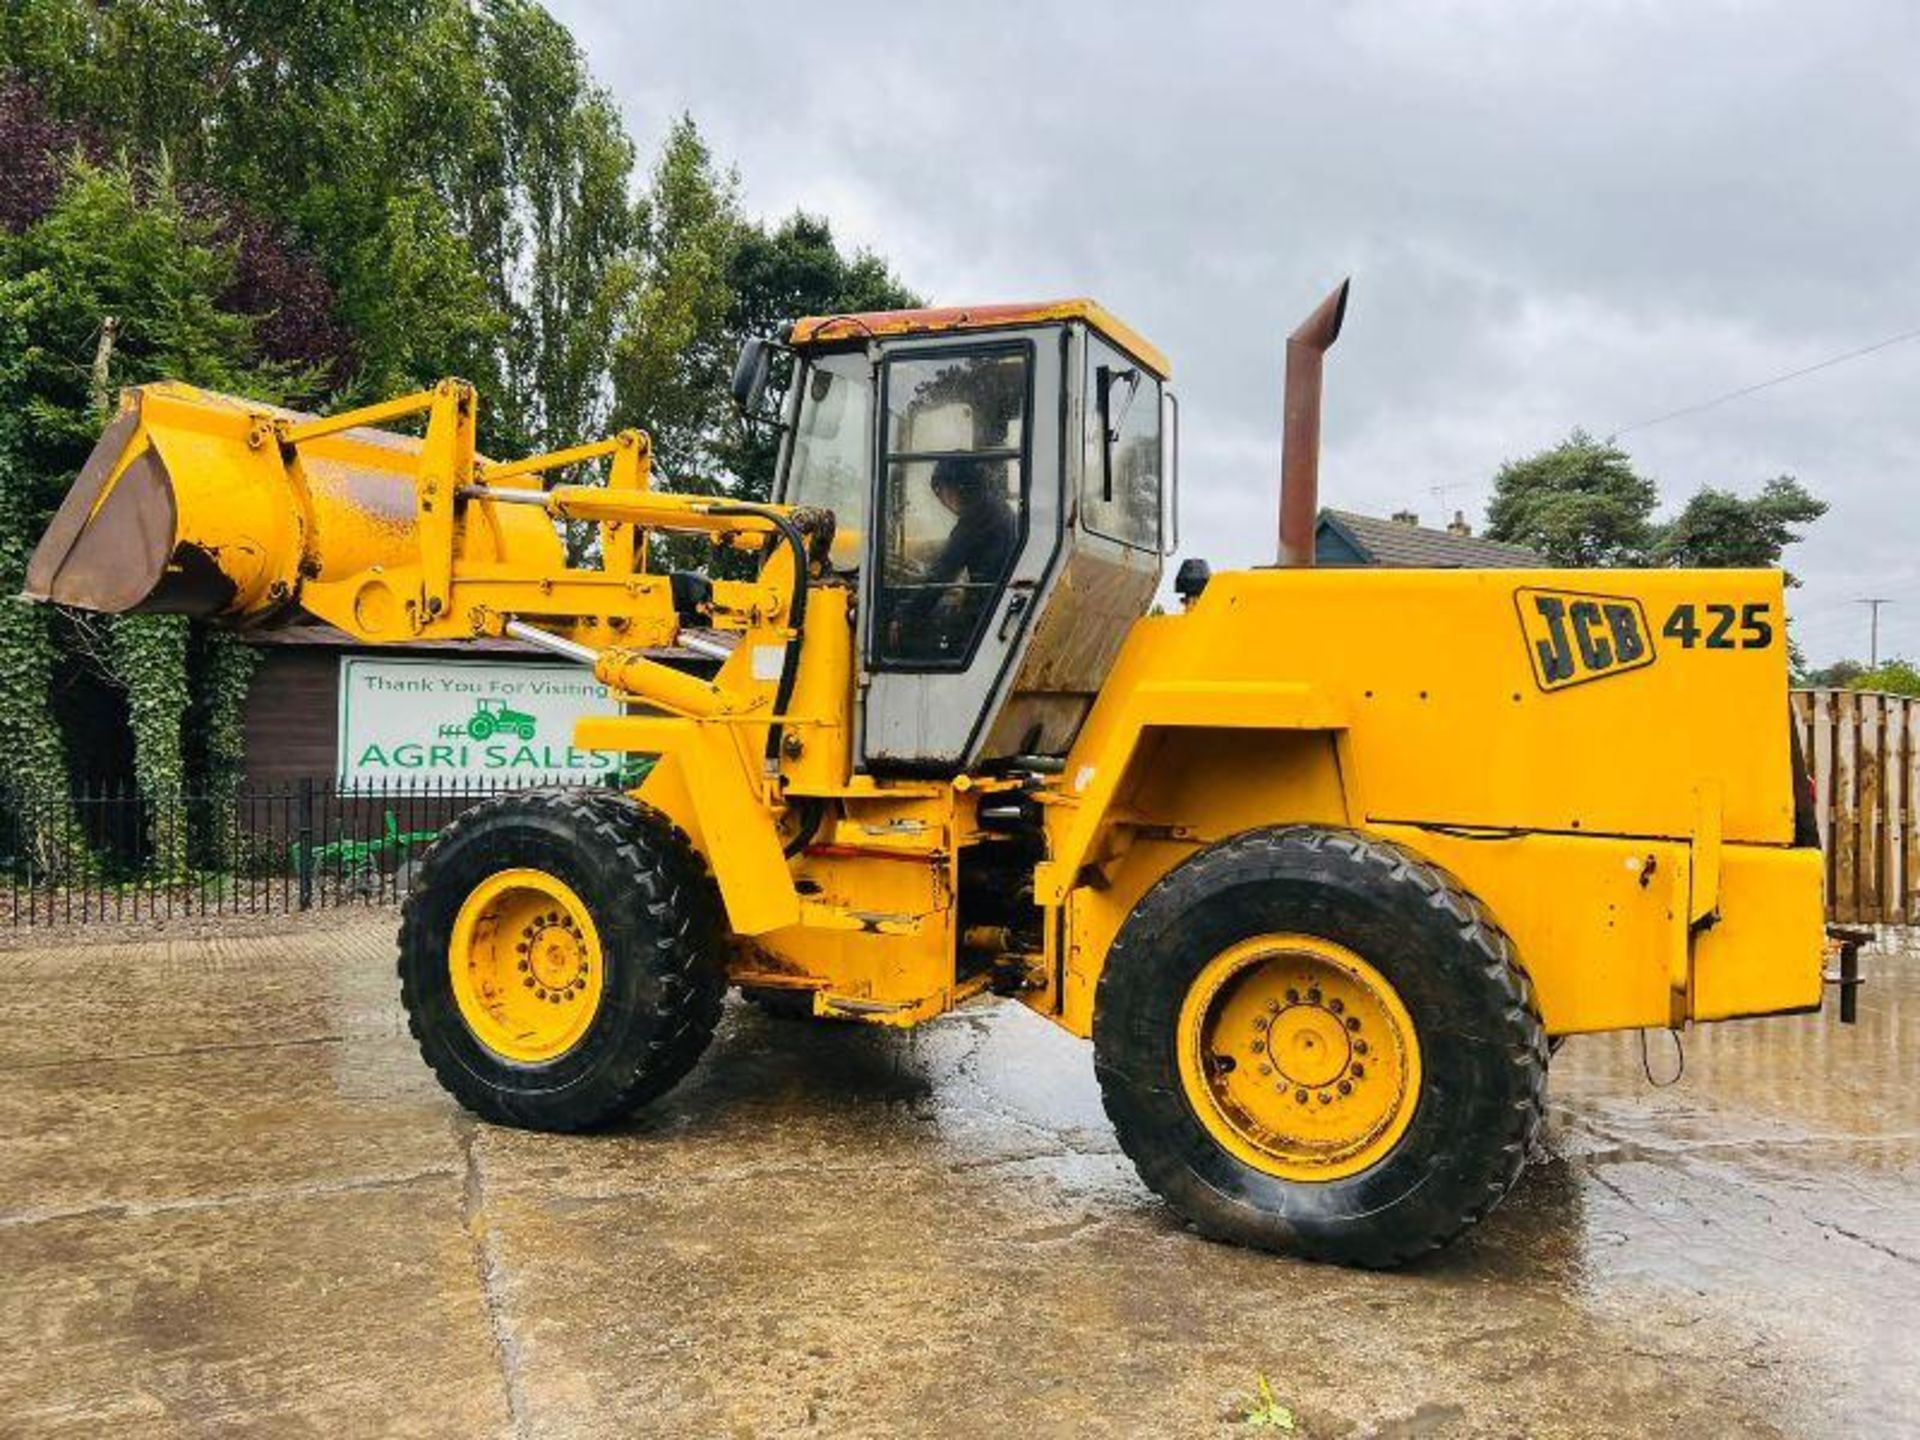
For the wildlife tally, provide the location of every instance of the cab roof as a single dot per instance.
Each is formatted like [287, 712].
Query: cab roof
[823, 329]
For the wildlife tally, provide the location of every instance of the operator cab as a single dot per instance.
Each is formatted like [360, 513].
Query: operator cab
[1000, 479]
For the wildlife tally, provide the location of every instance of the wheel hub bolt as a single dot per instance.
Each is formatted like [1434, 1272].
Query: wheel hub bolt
[1346, 1087]
[1359, 1047]
[1313, 996]
[1266, 1069]
[1257, 1046]
[1301, 1096]
[1273, 1006]
[1335, 1005]
[1325, 1098]
[1293, 998]
[1353, 1022]
[1359, 1071]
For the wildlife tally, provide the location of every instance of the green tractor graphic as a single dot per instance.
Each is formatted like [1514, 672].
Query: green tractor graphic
[490, 718]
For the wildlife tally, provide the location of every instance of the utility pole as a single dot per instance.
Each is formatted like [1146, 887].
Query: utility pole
[1873, 604]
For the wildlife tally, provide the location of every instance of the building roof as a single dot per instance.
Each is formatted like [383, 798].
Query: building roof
[1403, 545]
[309, 633]
[819, 329]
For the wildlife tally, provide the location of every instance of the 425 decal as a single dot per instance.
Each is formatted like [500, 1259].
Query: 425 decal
[1720, 627]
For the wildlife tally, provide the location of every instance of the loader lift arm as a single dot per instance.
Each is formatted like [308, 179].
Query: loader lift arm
[233, 511]
[395, 540]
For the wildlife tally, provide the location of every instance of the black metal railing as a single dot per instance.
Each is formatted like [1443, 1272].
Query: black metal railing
[120, 854]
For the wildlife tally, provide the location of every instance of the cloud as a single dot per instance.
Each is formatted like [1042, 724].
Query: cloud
[1555, 215]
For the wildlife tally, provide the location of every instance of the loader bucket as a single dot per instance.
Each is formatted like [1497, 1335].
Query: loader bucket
[190, 505]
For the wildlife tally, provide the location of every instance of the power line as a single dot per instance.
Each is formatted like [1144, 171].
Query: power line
[1826, 364]
[1722, 399]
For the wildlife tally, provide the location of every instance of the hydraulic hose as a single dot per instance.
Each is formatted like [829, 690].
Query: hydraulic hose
[796, 618]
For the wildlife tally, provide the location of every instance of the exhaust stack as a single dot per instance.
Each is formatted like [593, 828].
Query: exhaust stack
[1300, 436]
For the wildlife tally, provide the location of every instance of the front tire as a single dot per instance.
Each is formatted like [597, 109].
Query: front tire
[561, 958]
[1310, 1040]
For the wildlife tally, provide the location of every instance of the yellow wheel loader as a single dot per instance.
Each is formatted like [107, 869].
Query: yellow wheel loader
[1322, 863]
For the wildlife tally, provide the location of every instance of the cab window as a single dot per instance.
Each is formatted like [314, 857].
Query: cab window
[1120, 491]
[953, 500]
[832, 440]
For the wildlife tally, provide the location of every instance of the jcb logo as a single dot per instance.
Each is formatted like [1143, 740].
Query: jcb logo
[1574, 638]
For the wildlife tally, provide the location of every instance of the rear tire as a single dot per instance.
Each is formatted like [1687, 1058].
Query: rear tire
[628, 905]
[1414, 953]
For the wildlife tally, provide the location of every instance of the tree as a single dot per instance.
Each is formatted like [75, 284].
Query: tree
[1580, 503]
[709, 278]
[1839, 675]
[796, 268]
[778, 276]
[1894, 677]
[672, 360]
[562, 264]
[121, 281]
[1717, 529]
[366, 128]
[330, 203]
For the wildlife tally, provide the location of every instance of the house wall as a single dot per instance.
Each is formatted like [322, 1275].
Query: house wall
[293, 714]
[1330, 548]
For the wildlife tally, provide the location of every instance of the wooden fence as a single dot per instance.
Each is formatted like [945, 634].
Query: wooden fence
[1863, 750]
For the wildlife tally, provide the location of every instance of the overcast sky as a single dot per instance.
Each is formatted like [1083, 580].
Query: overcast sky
[1586, 214]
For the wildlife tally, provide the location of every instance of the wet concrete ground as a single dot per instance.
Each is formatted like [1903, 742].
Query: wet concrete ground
[232, 1200]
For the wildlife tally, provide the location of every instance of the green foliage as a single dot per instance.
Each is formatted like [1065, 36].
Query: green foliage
[673, 359]
[709, 278]
[316, 204]
[1894, 677]
[148, 658]
[571, 227]
[779, 275]
[219, 669]
[1579, 503]
[797, 269]
[1839, 675]
[1717, 529]
[461, 180]
[28, 649]
[117, 246]
[1263, 1411]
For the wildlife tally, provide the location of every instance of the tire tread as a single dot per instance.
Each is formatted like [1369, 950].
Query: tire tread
[1505, 993]
[668, 879]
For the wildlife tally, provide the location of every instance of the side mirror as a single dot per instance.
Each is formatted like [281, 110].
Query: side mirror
[1190, 582]
[750, 373]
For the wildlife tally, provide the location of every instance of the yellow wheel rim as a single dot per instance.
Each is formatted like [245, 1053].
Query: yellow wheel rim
[1299, 1057]
[526, 965]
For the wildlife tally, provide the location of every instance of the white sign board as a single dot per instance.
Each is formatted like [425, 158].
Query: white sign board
[415, 721]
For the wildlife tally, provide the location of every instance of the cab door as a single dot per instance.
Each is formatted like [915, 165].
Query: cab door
[965, 525]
